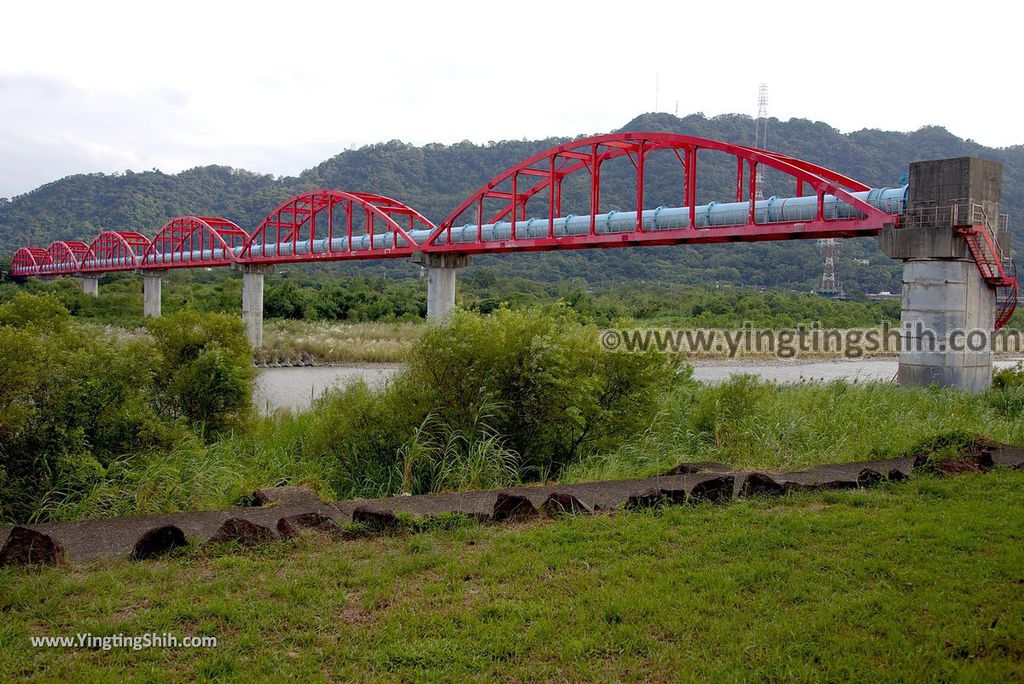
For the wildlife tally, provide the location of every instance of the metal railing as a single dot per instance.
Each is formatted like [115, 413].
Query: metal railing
[959, 212]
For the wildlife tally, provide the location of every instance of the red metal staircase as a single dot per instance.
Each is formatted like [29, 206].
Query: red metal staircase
[996, 268]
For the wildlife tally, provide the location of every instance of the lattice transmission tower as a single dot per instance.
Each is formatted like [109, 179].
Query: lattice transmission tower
[761, 134]
[829, 285]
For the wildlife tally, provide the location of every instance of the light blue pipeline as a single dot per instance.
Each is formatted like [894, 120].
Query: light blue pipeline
[712, 215]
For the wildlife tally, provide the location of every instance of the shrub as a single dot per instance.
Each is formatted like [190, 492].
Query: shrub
[204, 369]
[550, 391]
[288, 301]
[74, 405]
[41, 312]
[81, 409]
[214, 390]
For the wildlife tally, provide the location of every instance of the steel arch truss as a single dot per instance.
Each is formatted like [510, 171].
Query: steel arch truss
[195, 241]
[26, 261]
[63, 257]
[542, 175]
[114, 251]
[335, 225]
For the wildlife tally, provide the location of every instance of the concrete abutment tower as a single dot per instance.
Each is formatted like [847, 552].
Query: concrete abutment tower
[945, 297]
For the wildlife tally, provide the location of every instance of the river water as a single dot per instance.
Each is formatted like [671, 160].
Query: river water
[295, 388]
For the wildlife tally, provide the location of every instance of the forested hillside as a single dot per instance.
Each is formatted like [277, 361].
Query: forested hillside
[435, 178]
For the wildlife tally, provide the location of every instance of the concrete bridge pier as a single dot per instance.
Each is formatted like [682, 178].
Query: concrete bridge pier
[151, 286]
[252, 300]
[441, 269]
[91, 285]
[948, 310]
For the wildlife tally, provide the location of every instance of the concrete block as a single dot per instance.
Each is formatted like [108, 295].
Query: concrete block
[935, 188]
[943, 181]
[932, 243]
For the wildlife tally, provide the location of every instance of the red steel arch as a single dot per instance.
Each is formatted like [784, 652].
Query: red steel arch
[195, 241]
[545, 172]
[844, 181]
[114, 250]
[63, 257]
[26, 261]
[293, 232]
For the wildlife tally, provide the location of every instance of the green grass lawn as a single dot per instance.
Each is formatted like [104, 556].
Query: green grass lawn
[922, 580]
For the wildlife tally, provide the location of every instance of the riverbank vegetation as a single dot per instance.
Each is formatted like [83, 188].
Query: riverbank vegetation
[313, 318]
[323, 297]
[101, 422]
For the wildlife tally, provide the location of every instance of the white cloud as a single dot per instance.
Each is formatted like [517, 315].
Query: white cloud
[277, 87]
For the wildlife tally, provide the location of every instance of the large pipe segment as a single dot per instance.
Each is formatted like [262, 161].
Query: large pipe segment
[711, 215]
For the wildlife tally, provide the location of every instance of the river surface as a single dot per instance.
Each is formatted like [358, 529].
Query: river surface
[295, 388]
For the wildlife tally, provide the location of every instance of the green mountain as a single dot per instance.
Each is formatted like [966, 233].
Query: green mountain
[435, 178]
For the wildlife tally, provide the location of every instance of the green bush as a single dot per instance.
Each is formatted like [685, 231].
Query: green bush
[74, 404]
[214, 390]
[288, 301]
[82, 408]
[486, 401]
[204, 369]
[40, 312]
[553, 393]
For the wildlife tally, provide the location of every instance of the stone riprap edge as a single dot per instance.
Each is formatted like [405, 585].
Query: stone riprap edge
[284, 512]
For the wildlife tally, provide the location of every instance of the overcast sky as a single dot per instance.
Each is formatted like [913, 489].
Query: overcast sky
[278, 87]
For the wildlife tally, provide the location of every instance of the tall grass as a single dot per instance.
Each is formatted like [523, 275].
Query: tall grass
[287, 342]
[194, 475]
[752, 424]
[441, 458]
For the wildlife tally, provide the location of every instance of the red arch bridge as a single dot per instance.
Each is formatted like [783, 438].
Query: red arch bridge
[553, 200]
